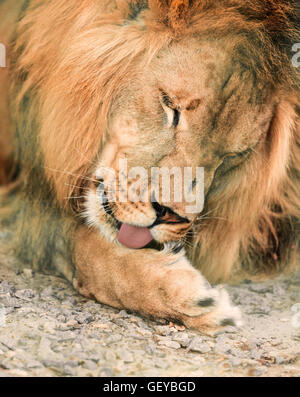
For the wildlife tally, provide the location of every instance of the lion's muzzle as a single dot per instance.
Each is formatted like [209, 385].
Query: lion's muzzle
[138, 237]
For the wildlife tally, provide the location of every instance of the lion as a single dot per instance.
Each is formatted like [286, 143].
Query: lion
[158, 84]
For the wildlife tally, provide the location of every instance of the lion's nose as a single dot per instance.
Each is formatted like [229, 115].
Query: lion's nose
[166, 215]
[160, 210]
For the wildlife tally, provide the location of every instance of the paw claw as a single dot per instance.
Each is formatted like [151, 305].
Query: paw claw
[206, 302]
[227, 321]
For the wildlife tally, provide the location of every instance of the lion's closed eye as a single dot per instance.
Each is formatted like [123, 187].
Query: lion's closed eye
[233, 161]
[172, 113]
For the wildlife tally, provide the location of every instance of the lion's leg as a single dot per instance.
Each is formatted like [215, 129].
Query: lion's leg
[153, 283]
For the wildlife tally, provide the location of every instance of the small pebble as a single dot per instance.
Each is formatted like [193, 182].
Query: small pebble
[67, 370]
[25, 294]
[164, 330]
[183, 338]
[169, 343]
[91, 365]
[235, 361]
[106, 373]
[84, 318]
[221, 347]
[125, 356]
[260, 288]
[199, 346]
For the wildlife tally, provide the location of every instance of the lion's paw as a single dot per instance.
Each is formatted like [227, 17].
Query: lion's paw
[188, 297]
[224, 313]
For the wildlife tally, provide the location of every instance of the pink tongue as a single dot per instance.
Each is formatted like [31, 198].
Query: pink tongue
[133, 236]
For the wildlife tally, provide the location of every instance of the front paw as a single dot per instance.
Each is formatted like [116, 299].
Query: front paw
[153, 283]
[222, 314]
[187, 297]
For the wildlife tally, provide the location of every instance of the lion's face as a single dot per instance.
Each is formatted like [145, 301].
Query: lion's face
[192, 106]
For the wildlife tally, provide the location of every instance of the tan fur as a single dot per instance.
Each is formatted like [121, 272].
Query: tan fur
[86, 83]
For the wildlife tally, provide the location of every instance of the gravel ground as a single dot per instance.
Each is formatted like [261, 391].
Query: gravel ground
[47, 329]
